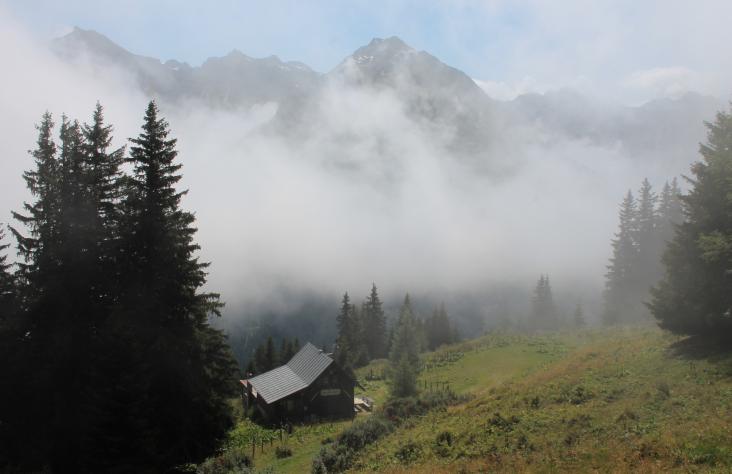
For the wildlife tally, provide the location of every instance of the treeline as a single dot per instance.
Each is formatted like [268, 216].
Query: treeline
[267, 357]
[646, 224]
[108, 361]
[545, 315]
[363, 335]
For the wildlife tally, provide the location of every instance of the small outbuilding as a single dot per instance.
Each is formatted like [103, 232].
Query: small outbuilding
[310, 386]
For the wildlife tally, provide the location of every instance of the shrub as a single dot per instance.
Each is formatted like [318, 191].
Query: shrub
[444, 438]
[231, 461]
[502, 423]
[318, 466]
[535, 402]
[408, 452]
[443, 443]
[398, 409]
[366, 432]
[337, 457]
[580, 395]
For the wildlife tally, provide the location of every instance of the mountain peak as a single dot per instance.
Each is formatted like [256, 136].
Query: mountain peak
[88, 37]
[385, 47]
[90, 41]
[382, 50]
[392, 42]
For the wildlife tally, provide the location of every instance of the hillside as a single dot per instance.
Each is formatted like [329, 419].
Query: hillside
[626, 399]
[606, 400]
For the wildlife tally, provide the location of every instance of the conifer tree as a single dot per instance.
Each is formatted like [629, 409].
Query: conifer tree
[694, 296]
[44, 349]
[114, 330]
[104, 181]
[544, 312]
[438, 327]
[404, 356]
[59, 279]
[41, 217]
[349, 351]
[270, 355]
[260, 360]
[648, 263]
[374, 325]
[287, 351]
[620, 279]
[670, 213]
[188, 366]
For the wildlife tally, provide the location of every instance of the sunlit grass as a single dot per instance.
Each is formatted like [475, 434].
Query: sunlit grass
[607, 400]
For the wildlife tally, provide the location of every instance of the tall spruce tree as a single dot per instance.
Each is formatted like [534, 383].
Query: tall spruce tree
[404, 355]
[40, 217]
[648, 264]
[438, 328]
[113, 346]
[670, 214]
[374, 325]
[55, 317]
[104, 181]
[187, 368]
[286, 350]
[544, 311]
[271, 358]
[620, 279]
[260, 360]
[349, 344]
[60, 317]
[695, 295]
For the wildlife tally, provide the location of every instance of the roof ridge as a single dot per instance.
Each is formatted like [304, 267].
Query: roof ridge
[296, 374]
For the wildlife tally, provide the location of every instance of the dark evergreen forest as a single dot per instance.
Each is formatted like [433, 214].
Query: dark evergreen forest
[105, 333]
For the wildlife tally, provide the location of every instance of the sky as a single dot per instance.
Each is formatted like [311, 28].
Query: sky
[625, 50]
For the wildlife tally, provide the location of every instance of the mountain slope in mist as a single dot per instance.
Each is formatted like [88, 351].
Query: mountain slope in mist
[441, 99]
[231, 81]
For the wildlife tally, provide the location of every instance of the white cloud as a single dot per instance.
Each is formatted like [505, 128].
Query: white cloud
[369, 197]
[665, 81]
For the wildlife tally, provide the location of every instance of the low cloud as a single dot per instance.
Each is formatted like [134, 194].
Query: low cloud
[370, 195]
[665, 81]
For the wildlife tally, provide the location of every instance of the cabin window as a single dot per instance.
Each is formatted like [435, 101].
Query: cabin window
[290, 405]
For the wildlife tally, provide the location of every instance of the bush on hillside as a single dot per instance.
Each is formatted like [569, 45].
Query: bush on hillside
[231, 461]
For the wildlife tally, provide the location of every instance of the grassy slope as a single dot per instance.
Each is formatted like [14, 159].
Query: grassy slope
[476, 366]
[305, 443]
[606, 401]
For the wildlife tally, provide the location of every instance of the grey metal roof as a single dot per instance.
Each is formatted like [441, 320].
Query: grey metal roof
[297, 374]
